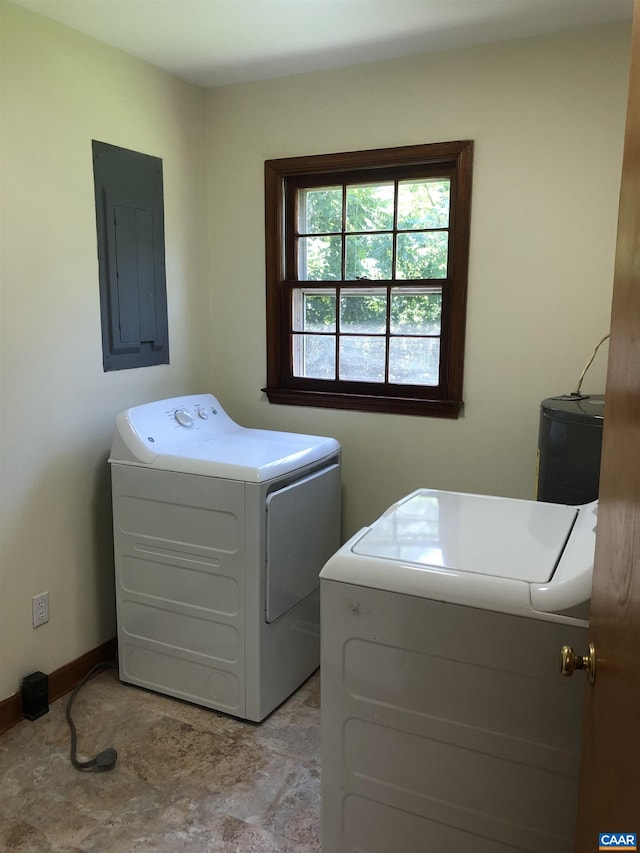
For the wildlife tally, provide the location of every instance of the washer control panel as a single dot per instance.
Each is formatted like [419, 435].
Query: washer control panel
[178, 422]
[190, 416]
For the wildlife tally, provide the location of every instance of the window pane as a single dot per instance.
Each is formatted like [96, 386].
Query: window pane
[422, 255]
[314, 356]
[369, 257]
[423, 204]
[362, 359]
[413, 313]
[314, 311]
[363, 312]
[319, 258]
[414, 361]
[320, 210]
[370, 207]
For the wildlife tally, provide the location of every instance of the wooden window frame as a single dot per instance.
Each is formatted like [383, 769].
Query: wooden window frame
[283, 178]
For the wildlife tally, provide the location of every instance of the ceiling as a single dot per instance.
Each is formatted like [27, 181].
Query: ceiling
[219, 42]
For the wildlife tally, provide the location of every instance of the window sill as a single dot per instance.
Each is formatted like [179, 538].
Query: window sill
[365, 403]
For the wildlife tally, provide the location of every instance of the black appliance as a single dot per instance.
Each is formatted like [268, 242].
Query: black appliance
[569, 446]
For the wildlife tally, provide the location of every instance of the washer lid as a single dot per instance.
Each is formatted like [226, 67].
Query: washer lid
[480, 534]
[252, 455]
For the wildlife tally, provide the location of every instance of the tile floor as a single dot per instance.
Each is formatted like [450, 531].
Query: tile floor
[187, 779]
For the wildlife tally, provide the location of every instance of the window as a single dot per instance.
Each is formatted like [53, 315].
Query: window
[367, 256]
[130, 227]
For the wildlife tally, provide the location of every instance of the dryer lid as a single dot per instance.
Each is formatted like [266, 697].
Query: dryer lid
[479, 534]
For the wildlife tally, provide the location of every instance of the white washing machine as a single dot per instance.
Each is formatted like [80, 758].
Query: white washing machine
[446, 725]
[220, 533]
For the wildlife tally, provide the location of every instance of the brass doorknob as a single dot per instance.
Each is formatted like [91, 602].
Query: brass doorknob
[570, 661]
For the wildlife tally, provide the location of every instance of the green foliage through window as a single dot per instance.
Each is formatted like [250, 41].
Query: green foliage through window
[372, 232]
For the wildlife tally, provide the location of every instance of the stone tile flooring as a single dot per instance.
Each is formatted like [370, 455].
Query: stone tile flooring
[187, 779]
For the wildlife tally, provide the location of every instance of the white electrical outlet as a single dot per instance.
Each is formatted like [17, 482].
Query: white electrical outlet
[40, 607]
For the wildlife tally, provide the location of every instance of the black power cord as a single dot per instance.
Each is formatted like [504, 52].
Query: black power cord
[105, 760]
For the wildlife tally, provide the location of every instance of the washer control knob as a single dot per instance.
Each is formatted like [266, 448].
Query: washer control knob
[184, 417]
[203, 413]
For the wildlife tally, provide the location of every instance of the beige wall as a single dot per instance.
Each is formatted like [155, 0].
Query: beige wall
[547, 117]
[60, 90]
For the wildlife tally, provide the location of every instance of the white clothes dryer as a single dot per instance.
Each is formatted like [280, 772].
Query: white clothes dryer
[220, 533]
[446, 725]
